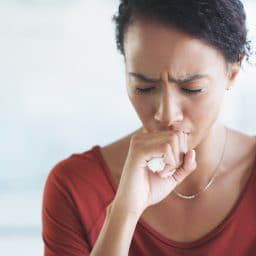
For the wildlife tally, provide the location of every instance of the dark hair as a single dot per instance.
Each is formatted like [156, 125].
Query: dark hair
[220, 23]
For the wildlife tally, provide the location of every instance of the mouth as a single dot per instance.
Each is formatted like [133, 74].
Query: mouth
[180, 130]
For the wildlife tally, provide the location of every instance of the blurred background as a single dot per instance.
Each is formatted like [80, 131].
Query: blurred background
[62, 90]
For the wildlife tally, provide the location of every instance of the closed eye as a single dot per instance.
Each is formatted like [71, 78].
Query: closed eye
[144, 90]
[188, 91]
[150, 89]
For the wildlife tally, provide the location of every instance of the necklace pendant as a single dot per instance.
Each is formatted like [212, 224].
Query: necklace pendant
[185, 196]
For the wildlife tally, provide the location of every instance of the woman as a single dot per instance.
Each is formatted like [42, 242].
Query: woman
[181, 57]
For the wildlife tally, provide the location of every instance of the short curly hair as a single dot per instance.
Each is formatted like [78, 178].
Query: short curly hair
[220, 23]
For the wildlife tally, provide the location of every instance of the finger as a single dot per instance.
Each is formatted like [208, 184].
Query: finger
[169, 157]
[185, 142]
[175, 145]
[181, 146]
[167, 172]
[187, 168]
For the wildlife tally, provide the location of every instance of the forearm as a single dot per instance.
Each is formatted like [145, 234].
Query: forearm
[116, 234]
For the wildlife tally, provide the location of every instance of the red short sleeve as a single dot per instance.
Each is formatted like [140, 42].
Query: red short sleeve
[62, 232]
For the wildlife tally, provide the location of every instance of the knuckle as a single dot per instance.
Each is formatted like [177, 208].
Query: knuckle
[170, 140]
[179, 175]
[135, 137]
[194, 166]
[174, 179]
[135, 140]
[166, 147]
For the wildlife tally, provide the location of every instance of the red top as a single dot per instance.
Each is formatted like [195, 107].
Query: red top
[79, 189]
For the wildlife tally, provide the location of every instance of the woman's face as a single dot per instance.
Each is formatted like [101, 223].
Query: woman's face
[174, 81]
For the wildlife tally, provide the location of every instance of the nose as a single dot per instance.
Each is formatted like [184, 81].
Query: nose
[169, 110]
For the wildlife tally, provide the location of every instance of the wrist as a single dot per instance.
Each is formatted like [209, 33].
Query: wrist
[117, 208]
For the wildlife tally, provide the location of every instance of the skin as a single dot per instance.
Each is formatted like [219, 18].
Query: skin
[171, 62]
[169, 57]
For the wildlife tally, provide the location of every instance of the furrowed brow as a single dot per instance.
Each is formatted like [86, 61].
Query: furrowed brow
[144, 78]
[189, 78]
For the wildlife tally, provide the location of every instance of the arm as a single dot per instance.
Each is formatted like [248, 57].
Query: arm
[62, 231]
[117, 232]
[139, 188]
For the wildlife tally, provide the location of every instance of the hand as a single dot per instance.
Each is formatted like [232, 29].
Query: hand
[139, 187]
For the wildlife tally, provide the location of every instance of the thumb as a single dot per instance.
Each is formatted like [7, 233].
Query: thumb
[189, 165]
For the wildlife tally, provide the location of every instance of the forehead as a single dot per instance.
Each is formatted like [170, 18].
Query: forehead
[152, 47]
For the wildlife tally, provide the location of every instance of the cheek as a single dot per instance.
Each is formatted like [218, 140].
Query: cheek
[144, 106]
[202, 115]
[206, 110]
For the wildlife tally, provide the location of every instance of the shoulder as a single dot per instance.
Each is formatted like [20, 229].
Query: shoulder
[77, 166]
[78, 186]
[81, 176]
[245, 152]
[72, 202]
[242, 146]
[240, 156]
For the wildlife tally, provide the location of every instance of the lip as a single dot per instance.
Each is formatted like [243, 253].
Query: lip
[180, 130]
[183, 131]
[176, 130]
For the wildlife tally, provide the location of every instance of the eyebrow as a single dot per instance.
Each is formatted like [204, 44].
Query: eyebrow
[189, 78]
[144, 78]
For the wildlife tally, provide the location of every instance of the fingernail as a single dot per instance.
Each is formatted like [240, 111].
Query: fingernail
[193, 155]
[169, 174]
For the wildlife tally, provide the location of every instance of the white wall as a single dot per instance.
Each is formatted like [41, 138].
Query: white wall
[62, 90]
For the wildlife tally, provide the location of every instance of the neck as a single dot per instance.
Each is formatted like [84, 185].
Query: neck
[209, 152]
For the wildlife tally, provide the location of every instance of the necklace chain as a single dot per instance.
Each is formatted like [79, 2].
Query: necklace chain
[210, 180]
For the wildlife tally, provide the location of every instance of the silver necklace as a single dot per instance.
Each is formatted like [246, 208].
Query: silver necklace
[210, 180]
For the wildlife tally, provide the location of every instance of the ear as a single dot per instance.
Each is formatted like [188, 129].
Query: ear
[233, 71]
